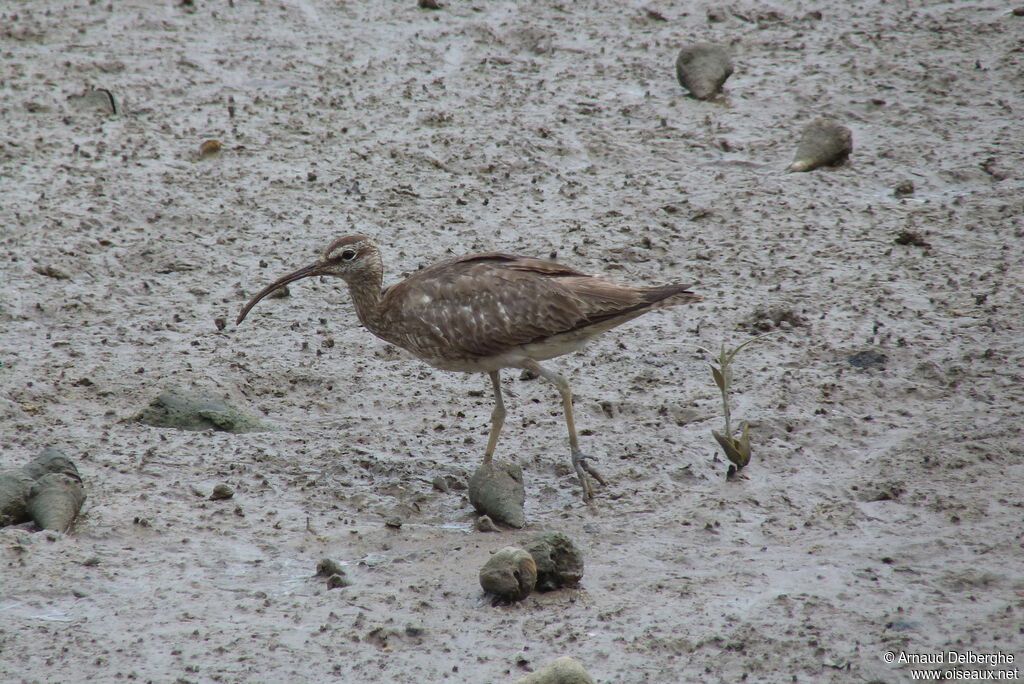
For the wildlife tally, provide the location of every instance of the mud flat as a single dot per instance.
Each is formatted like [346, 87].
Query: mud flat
[881, 510]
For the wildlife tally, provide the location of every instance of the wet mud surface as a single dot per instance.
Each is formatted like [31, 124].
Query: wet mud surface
[881, 509]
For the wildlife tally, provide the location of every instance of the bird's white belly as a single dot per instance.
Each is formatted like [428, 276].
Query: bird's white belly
[543, 350]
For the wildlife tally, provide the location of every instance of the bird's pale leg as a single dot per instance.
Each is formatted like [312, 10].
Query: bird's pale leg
[579, 459]
[497, 416]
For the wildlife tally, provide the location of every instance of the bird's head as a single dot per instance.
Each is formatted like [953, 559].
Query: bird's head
[353, 258]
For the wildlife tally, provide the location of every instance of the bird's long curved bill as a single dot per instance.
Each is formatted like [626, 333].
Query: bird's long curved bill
[305, 272]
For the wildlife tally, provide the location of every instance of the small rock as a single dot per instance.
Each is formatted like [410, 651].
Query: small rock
[716, 15]
[702, 68]
[903, 188]
[904, 625]
[220, 322]
[881, 491]
[867, 359]
[565, 670]
[94, 99]
[509, 574]
[393, 523]
[222, 491]
[51, 271]
[823, 143]
[327, 567]
[496, 489]
[339, 581]
[912, 238]
[430, 4]
[210, 148]
[280, 293]
[485, 524]
[559, 563]
[778, 317]
[441, 484]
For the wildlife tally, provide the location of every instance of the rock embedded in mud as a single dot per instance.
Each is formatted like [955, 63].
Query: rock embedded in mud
[338, 581]
[328, 566]
[175, 408]
[564, 670]
[903, 188]
[496, 489]
[221, 492]
[209, 148]
[509, 574]
[824, 143]
[16, 485]
[94, 100]
[867, 359]
[702, 68]
[485, 524]
[912, 238]
[559, 562]
[55, 500]
[14, 489]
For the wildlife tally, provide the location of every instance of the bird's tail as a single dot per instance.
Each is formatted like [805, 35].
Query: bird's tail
[670, 295]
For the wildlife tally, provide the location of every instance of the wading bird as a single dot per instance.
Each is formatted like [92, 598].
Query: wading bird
[480, 313]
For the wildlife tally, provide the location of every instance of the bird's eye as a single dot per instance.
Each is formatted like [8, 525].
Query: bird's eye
[348, 255]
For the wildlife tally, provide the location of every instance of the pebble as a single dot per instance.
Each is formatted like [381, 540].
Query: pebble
[210, 148]
[485, 524]
[903, 188]
[867, 359]
[221, 492]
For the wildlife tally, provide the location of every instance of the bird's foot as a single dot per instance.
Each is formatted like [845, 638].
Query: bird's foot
[583, 470]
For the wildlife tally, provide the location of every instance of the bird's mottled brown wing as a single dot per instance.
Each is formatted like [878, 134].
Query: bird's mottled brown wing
[485, 304]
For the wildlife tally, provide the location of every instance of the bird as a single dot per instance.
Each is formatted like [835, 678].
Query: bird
[485, 312]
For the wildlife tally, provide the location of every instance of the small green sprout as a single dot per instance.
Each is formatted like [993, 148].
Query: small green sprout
[737, 449]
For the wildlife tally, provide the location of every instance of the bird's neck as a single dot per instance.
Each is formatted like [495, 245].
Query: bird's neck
[366, 295]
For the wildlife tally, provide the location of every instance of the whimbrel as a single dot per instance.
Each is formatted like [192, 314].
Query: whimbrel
[480, 313]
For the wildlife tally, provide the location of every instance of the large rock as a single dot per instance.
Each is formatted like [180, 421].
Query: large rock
[496, 489]
[17, 485]
[55, 501]
[175, 408]
[509, 574]
[702, 69]
[559, 562]
[823, 143]
[564, 670]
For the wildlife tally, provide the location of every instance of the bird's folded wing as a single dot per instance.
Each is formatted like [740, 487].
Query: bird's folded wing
[486, 304]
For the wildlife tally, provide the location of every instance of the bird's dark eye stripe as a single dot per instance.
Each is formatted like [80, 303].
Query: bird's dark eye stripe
[348, 255]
